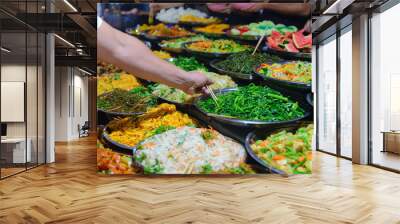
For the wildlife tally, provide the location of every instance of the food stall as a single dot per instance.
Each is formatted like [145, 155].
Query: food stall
[257, 118]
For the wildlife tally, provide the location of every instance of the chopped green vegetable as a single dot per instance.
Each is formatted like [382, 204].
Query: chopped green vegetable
[253, 103]
[137, 99]
[206, 169]
[245, 62]
[189, 64]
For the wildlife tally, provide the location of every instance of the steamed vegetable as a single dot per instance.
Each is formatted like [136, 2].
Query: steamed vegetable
[253, 103]
[286, 151]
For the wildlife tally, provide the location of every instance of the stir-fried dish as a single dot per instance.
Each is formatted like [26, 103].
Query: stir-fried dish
[213, 28]
[286, 151]
[253, 103]
[189, 150]
[162, 54]
[296, 71]
[138, 99]
[162, 30]
[130, 131]
[117, 80]
[177, 95]
[189, 18]
[217, 46]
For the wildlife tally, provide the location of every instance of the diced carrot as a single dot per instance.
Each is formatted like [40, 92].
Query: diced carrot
[309, 156]
[278, 157]
[301, 159]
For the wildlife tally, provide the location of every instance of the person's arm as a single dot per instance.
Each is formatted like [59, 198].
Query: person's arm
[290, 9]
[133, 56]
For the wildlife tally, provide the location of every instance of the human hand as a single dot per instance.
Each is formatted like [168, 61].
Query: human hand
[195, 82]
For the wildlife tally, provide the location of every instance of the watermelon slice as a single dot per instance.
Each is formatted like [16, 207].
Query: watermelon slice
[301, 41]
[291, 48]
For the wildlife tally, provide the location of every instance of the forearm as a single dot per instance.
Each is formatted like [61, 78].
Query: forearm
[133, 56]
[293, 9]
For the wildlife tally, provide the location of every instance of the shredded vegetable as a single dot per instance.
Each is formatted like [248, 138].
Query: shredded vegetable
[244, 62]
[120, 80]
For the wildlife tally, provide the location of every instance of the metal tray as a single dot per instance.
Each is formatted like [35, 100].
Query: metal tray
[249, 123]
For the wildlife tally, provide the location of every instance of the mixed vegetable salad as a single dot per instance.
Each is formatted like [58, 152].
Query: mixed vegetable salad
[295, 71]
[179, 42]
[287, 151]
[217, 46]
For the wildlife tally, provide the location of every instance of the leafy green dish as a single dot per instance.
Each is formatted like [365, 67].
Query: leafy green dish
[256, 103]
[188, 64]
[138, 99]
[245, 62]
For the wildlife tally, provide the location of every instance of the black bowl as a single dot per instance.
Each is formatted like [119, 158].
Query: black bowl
[115, 146]
[249, 38]
[206, 54]
[248, 123]
[107, 116]
[288, 55]
[305, 87]
[211, 35]
[235, 75]
[261, 135]
[310, 99]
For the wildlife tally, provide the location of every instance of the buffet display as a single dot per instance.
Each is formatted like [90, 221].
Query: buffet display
[258, 122]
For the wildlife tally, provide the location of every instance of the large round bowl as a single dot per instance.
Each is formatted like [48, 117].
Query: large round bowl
[234, 75]
[304, 87]
[261, 135]
[288, 55]
[107, 116]
[248, 123]
[115, 146]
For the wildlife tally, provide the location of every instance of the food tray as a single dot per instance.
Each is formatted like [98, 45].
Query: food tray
[288, 55]
[250, 123]
[211, 35]
[115, 146]
[250, 38]
[105, 116]
[206, 54]
[283, 83]
[310, 99]
[261, 135]
[234, 75]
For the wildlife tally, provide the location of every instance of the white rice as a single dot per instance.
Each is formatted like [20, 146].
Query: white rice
[172, 15]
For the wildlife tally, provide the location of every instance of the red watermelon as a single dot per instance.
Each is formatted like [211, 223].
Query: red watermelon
[301, 41]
